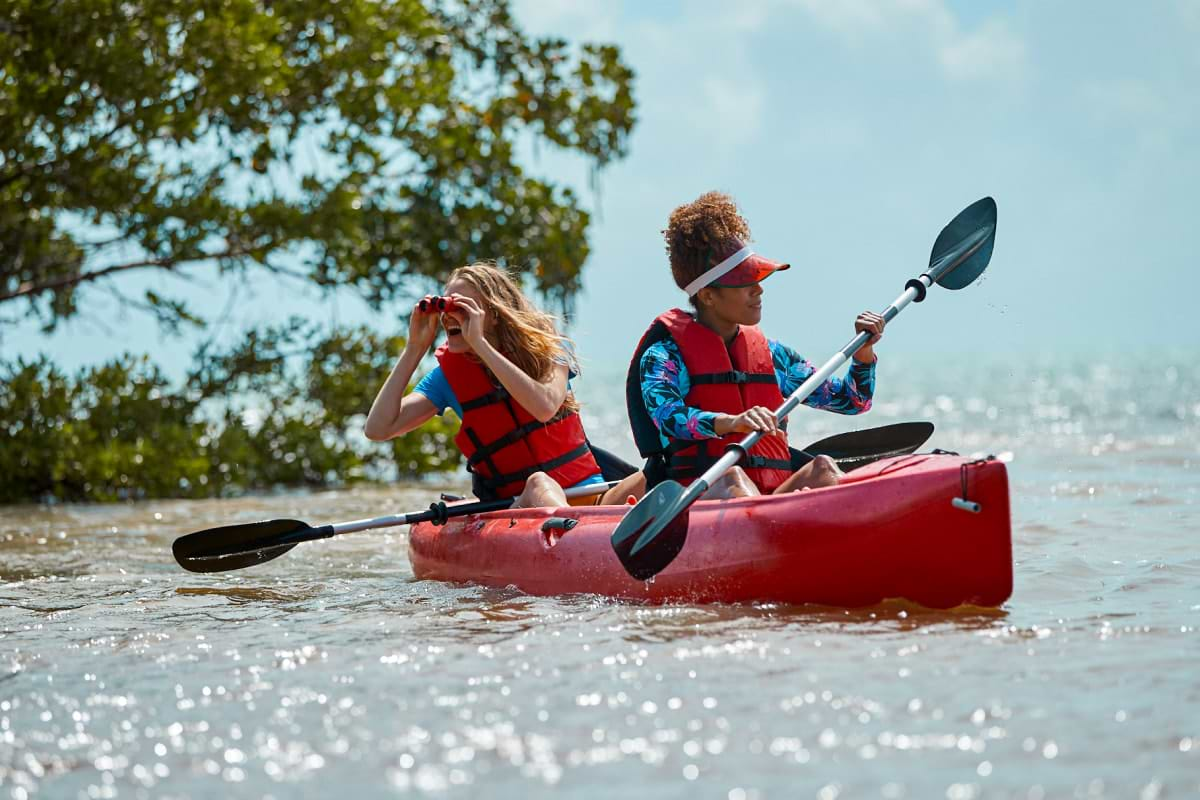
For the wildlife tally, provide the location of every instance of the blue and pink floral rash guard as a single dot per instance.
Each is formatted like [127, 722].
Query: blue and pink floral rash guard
[665, 383]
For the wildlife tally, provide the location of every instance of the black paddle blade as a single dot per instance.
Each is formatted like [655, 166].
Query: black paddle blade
[964, 247]
[652, 532]
[859, 448]
[236, 546]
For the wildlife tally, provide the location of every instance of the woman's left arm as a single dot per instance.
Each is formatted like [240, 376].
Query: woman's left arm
[542, 399]
[849, 395]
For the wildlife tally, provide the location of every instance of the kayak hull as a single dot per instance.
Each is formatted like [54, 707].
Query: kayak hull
[888, 531]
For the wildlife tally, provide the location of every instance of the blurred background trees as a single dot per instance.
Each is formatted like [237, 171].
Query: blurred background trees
[282, 408]
[354, 144]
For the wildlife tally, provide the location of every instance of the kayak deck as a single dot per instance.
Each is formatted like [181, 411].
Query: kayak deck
[889, 530]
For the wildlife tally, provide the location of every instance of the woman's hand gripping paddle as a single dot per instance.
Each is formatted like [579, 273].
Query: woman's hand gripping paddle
[654, 531]
[238, 546]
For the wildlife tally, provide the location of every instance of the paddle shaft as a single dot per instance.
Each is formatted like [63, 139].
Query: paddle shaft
[914, 290]
[650, 536]
[735, 453]
[478, 507]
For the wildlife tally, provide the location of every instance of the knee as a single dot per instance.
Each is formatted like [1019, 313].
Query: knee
[738, 475]
[824, 465]
[540, 489]
[539, 481]
[739, 483]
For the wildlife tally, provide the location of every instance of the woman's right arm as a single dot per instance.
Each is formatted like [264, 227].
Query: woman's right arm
[395, 413]
[662, 369]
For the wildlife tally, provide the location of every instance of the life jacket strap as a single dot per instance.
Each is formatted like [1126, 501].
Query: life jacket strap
[483, 452]
[491, 398]
[689, 466]
[494, 482]
[733, 376]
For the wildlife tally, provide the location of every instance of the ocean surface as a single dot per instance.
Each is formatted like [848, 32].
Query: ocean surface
[332, 672]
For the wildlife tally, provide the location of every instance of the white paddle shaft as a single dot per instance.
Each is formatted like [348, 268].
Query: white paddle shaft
[393, 520]
[802, 392]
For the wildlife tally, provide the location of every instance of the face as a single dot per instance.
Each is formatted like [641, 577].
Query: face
[741, 305]
[452, 321]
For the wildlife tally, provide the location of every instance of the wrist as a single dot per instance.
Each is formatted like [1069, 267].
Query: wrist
[484, 350]
[864, 355]
[722, 424]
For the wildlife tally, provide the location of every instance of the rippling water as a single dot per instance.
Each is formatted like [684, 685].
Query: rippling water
[332, 670]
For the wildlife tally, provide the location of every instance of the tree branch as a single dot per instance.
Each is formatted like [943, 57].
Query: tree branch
[29, 289]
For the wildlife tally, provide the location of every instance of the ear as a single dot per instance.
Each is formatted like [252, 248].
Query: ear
[704, 297]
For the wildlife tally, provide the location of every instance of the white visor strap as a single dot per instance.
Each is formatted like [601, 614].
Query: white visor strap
[716, 272]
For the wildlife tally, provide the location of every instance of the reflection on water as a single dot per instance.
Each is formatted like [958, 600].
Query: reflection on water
[244, 595]
[331, 670]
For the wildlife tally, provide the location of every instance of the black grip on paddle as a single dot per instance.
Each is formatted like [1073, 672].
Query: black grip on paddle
[323, 532]
[740, 448]
[438, 510]
[919, 285]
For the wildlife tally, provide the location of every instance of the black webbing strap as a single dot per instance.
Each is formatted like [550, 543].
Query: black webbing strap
[481, 451]
[496, 481]
[762, 462]
[497, 396]
[485, 451]
[687, 466]
[733, 376]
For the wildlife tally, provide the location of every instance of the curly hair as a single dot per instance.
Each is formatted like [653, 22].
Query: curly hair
[525, 334]
[701, 233]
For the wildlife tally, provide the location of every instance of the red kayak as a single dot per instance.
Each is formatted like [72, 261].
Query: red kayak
[898, 528]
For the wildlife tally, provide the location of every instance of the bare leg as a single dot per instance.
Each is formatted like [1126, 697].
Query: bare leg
[734, 483]
[633, 486]
[541, 491]
[821, 471]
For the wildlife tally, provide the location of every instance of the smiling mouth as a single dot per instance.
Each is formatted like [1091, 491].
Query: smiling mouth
[455, 331]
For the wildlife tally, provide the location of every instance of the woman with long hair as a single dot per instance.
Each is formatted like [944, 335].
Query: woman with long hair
[504, 369]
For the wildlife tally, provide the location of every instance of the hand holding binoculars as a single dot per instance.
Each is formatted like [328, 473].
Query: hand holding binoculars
[434, 304]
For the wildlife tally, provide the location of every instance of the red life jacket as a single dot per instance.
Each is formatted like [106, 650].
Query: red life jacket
[505, 444]
[723, 379]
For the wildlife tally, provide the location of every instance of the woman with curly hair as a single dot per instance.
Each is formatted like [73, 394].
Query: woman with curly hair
[701, 379]
[504, 370]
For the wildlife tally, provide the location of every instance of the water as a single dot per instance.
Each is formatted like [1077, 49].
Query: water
[332, 670]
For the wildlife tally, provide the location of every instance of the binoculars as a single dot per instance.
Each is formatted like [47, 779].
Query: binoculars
[435, 304]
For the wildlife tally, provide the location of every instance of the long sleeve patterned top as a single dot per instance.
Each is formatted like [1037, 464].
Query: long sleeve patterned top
[665, 384]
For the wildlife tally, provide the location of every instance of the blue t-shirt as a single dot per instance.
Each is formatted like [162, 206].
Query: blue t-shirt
[436, 389]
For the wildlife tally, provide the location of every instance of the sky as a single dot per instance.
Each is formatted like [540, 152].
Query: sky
[849, 133]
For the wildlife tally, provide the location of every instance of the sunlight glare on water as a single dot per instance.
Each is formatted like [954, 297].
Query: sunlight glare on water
[332, 670]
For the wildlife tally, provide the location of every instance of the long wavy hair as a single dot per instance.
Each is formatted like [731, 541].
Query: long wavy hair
[525, 334]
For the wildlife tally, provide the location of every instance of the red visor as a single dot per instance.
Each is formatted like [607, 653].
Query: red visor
[741, 268]
[750, 271]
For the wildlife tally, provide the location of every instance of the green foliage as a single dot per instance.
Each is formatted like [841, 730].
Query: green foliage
[360, 143]
[283, 408]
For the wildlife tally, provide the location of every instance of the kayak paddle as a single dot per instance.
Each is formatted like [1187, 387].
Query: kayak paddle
[856, 449]
[654, 531]
[232, 547]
